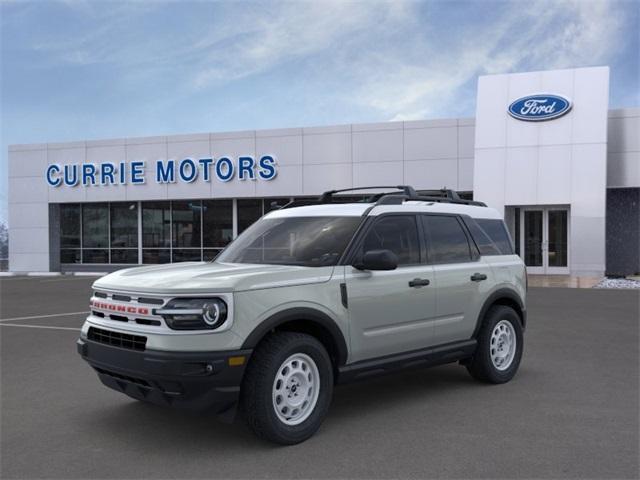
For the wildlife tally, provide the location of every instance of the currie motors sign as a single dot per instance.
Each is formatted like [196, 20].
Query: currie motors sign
[188, 170]
[540, 107]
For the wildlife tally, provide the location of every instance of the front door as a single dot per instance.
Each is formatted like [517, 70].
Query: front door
[390, 311]
[544, 235]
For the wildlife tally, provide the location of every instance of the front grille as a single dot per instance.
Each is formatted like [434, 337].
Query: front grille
[117, 339]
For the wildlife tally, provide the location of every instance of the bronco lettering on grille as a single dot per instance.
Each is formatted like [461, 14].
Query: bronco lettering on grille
[118, 308]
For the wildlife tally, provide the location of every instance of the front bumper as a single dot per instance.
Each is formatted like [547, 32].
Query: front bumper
[194, 380]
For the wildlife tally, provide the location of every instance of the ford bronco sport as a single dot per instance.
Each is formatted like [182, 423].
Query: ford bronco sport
[311, 296]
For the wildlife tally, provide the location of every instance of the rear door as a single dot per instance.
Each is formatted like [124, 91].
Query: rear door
[461, 277]
[391, 311]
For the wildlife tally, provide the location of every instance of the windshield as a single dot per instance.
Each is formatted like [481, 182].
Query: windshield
[305, 241]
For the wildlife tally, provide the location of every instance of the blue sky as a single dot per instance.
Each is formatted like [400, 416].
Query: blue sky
[75, 70]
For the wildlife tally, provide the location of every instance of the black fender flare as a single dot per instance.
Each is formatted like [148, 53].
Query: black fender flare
[511, 297]
[304, 314]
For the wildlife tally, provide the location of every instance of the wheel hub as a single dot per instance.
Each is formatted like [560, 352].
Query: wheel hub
[503, 345]
[295, 389]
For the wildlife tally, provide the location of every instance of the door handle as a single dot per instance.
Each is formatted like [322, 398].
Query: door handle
[419, 282]
[478, 277]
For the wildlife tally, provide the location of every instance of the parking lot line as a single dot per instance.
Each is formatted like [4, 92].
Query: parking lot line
[36, 317]
[38, 326]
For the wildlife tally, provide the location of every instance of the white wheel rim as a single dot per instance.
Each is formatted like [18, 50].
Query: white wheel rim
[503, 345]
[295, 389]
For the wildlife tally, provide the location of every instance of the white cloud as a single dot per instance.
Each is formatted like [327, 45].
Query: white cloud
[539, 35]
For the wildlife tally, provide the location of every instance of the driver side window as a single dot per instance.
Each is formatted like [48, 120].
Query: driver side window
[397, 233]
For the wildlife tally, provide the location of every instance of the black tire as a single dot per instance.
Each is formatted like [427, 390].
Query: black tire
[480, 366]
[256, 397]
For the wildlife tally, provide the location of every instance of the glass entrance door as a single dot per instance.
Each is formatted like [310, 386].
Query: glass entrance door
[544, 239]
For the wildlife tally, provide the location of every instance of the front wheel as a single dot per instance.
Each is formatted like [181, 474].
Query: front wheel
[287, 388]
[500, 345]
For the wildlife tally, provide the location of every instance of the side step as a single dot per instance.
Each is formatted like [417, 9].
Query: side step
[451, 352]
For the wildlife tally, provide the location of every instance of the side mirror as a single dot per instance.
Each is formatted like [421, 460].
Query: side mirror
[378, 260]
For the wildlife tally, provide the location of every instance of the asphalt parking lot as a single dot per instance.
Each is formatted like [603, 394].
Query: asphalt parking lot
[572, 411]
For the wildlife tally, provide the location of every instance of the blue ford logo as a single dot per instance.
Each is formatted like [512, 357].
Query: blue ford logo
[536, 108]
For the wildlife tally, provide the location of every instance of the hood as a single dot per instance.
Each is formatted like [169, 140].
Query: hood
[204, 277]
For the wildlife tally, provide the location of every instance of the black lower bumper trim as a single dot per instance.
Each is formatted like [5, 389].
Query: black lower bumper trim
[194, 380]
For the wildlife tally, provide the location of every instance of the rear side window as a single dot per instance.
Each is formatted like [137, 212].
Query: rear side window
[497, 232]
[397, 233]
[446, 239]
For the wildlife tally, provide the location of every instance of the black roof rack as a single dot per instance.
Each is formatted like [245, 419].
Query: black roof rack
[400, 194]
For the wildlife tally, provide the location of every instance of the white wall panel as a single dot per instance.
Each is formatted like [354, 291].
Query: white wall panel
[27, 190]
[28, 163]
[521, 175]
[466, 141]
[588, 180]
[316, 178]
[554, 175]
[491, 122]
[287, 182]
[465, 173]
[488, 176]
[377, 146]
[377, 173]
[97, 154]
[432, 174]
[431, 143]
[29, 240]
[28, 262]
[624, 134]
[623, 169]
[327, 148]
[29, 215]
[591, 105]
[286, 149]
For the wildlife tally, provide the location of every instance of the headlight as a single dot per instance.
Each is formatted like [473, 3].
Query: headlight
[194, 313]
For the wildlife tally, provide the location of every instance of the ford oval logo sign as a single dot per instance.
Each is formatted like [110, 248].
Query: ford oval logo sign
[536, 108]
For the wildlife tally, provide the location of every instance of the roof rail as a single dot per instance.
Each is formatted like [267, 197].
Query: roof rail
[327, 196]
[401, 194]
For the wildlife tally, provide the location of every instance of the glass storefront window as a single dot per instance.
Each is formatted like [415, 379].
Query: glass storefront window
[124, 225]
[156, 224]
[217, 222]
[70, 226]
[249, 210]
[70, 256]
[95, 256]
[126, 255]
[186, 255]
[156, 255]
[186, 224]
[95, 226]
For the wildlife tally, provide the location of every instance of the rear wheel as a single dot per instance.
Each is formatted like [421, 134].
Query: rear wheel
[287, 388]
[500, 345]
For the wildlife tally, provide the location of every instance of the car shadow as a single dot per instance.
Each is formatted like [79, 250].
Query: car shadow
[166, 430]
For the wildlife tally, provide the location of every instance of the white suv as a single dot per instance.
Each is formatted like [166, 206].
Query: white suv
[311, 296]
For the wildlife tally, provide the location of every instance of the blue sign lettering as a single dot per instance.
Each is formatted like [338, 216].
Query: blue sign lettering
[187, 170]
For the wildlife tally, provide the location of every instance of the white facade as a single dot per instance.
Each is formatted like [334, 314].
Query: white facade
[568, 161]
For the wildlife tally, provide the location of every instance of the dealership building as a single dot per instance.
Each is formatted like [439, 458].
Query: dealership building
[544, 149]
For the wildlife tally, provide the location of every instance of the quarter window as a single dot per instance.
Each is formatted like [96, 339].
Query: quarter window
[447, 241]
[497, 232]
[397, 233]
